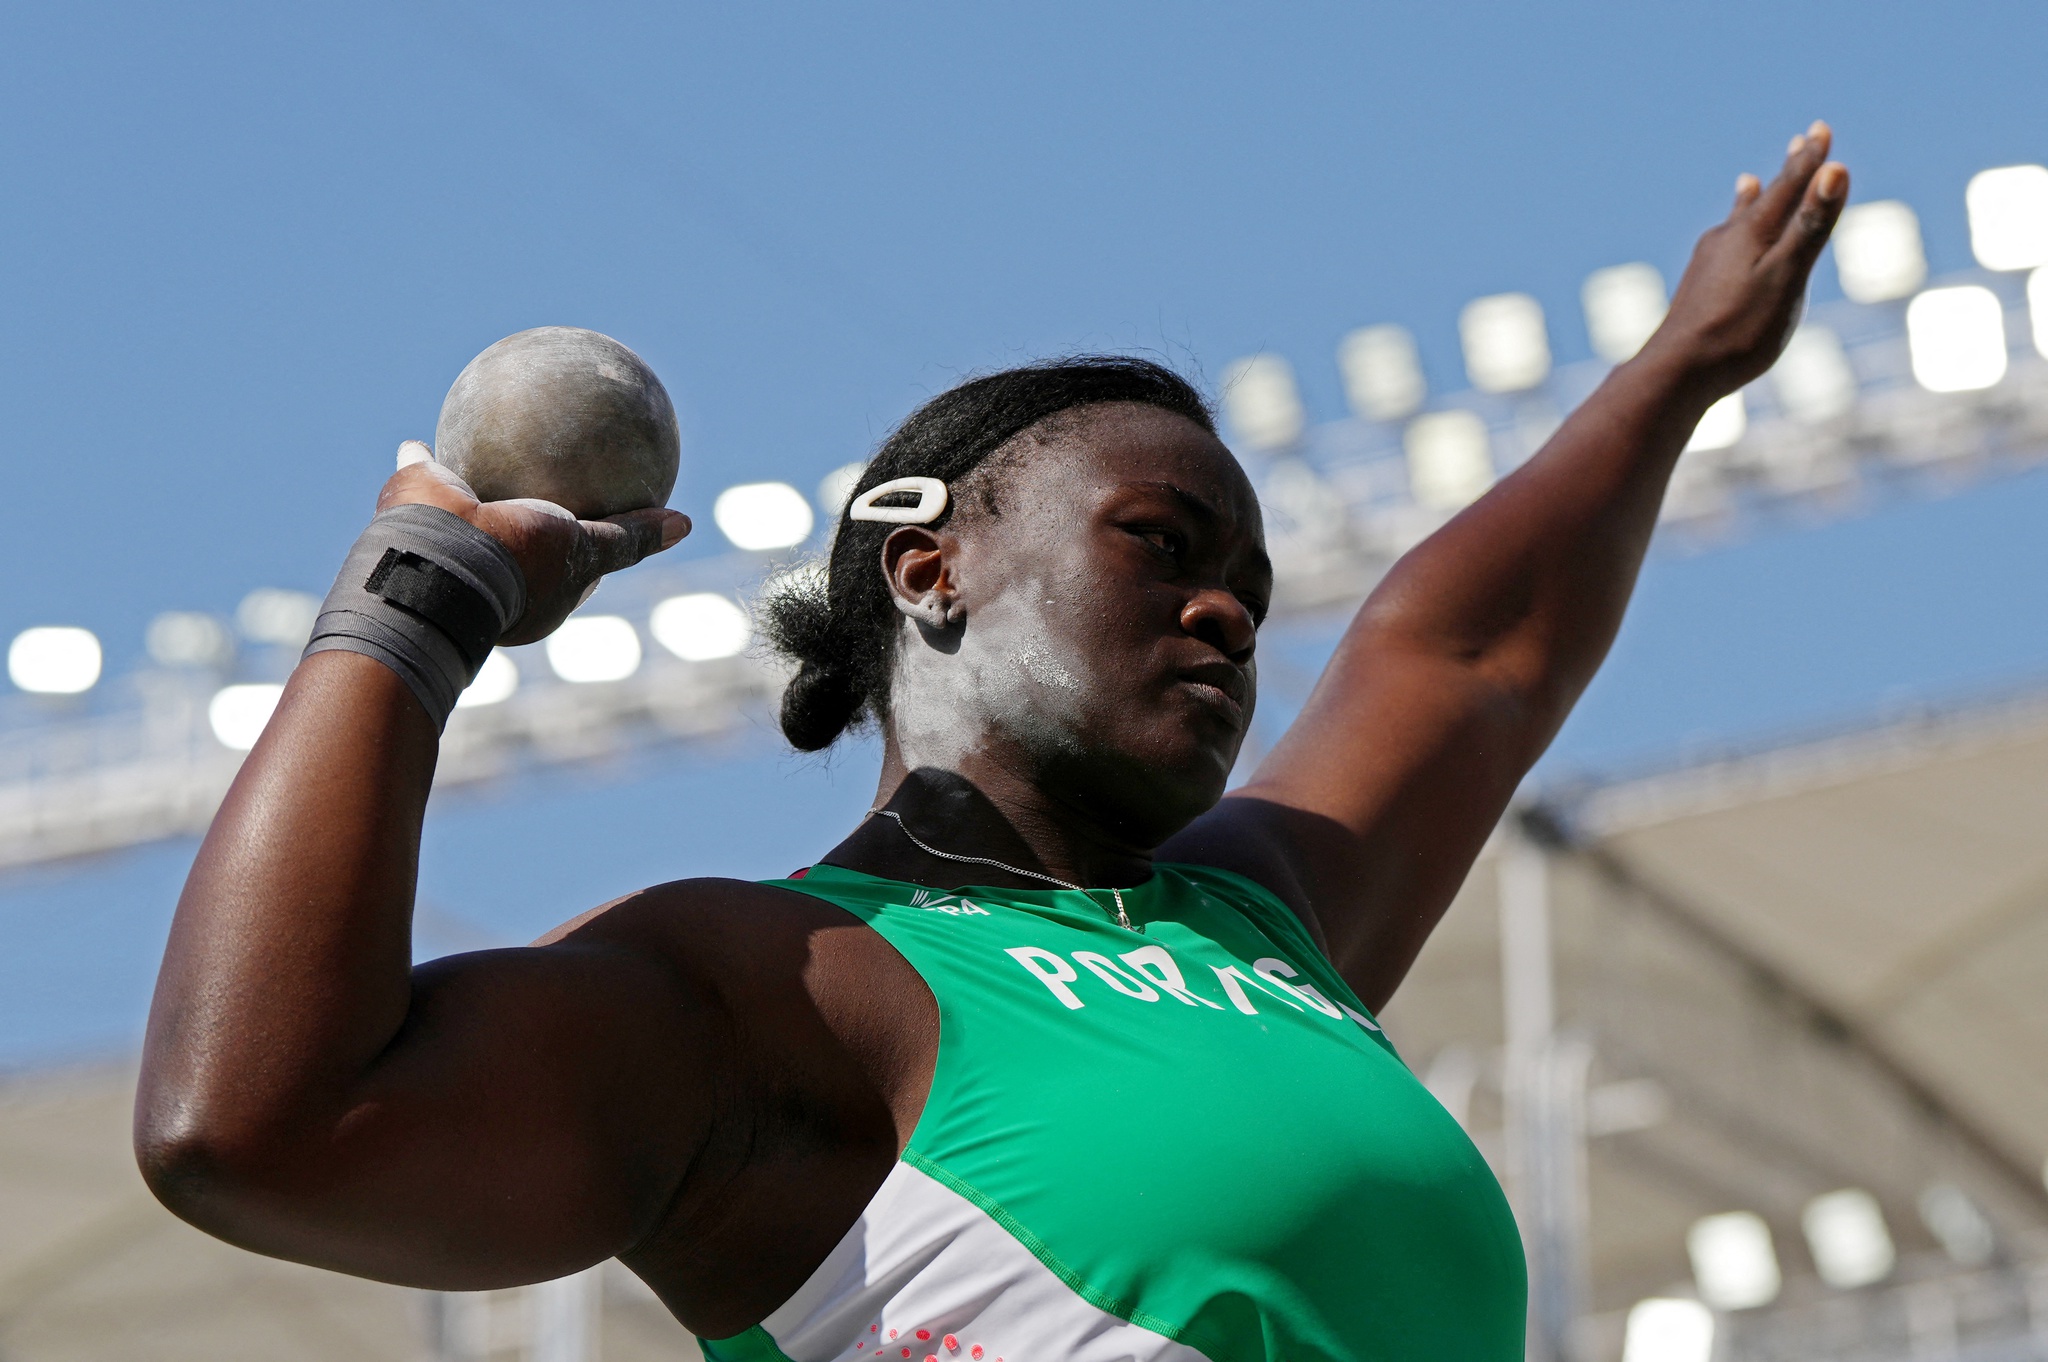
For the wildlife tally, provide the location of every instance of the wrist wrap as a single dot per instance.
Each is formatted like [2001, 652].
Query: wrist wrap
[427, 594]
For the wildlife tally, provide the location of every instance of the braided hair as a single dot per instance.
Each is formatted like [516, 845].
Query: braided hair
[838, 624]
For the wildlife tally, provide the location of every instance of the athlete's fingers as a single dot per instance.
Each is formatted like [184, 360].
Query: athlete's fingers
[1803, 158]
[622, 540]
[1747, 187]
[425, 481]
[1819, 208]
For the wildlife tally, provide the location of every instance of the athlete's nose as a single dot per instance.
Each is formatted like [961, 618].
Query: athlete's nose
[1220, 619]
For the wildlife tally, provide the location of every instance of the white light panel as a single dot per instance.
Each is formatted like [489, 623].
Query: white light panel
[2037, 308]
[495, 683]
[1846, 1231]
[1954, 1219]
[1625, 304]
[1734, 1264]
[700, 626]
[1261, 402]
[1506, 347]
[591, 648]
[2009, 217]
[835, 489]
[285, 618]
[1957, 338]
[185, 638]
[1450, 462]
[1668, 1329]
[1878, 255]
[1813, 377]
[54, 660]
[759, 516]
[1724, 424]
[1382, 373]
[237, 714]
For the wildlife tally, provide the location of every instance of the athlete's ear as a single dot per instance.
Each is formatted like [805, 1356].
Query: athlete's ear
[917, 562]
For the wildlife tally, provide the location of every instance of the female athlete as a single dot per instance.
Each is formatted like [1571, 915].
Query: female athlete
[1061, 1053]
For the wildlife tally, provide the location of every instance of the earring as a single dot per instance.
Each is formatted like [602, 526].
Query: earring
[931, 502]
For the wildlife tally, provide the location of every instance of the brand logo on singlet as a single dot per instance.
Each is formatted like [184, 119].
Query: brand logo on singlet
[1151, 974]
[932, 901]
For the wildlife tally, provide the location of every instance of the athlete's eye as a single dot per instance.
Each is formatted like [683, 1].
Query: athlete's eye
[1165, 541]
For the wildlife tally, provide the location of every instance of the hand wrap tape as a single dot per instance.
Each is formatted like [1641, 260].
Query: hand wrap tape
[427, 594]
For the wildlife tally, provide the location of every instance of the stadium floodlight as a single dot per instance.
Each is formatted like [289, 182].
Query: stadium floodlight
[701, 626]
[1813, 377]
[1261, 402]
[1382, 373]
[1668, 1329]
[1878, 255]
[1957, 338]
[591, 648]
[1952, 1218]
[1734, 1264]
[186, 638]
[1450, 462]
[1506, 348]
[759, 516]
[2037, 308]
[2009, 217]
[1846, 1231]
[1724, 424]
[1625, 304]
[54, 659]
[835, 489]
[495, 682]
[269, 615]
[237, 714]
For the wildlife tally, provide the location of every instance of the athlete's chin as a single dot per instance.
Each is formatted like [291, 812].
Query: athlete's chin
[1183, 782]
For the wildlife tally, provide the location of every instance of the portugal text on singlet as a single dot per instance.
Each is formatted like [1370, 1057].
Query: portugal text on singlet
[1189, 1142]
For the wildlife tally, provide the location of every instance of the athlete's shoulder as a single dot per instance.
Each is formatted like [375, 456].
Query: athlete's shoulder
[1259, 905]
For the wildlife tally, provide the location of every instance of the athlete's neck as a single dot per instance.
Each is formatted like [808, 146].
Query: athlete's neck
[990, 814]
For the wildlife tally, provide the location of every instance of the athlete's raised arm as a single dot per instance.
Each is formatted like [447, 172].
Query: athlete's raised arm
[1464, 662]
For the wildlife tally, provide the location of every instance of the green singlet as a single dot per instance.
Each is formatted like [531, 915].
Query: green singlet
[1183, 1142]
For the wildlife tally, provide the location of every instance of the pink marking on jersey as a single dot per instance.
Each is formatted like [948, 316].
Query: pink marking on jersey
[952, 1343]
[923, 1334]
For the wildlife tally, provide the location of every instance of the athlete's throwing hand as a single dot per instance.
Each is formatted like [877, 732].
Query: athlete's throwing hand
[562, 557]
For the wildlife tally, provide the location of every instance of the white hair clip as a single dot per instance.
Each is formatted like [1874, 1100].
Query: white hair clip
[931, 502]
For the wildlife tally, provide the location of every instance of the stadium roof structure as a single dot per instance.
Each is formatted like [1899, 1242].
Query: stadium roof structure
[1773, 975]
[1805, 968]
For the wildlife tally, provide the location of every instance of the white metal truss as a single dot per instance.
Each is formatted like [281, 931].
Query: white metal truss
[140, 763]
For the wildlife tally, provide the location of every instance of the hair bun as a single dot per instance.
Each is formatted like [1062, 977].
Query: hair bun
[819, 704]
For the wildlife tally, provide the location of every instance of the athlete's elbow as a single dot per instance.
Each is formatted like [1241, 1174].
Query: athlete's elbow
[195, 1174]
[211, 1170]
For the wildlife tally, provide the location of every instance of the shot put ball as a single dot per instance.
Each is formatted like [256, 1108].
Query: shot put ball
[563, 414]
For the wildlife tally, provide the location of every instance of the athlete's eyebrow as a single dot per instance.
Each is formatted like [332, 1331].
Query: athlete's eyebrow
[1194, 505]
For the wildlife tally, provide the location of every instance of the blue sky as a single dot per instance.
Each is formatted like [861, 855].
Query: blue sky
[249, 246]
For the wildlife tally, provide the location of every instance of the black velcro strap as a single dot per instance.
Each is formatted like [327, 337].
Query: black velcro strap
[438, 596]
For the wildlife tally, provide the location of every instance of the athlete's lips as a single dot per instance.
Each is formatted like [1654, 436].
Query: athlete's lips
[1219, 685]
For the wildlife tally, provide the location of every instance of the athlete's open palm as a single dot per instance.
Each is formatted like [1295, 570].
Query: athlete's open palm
[1742, 294]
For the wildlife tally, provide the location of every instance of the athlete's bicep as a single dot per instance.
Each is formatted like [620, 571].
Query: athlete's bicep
[533, 1115]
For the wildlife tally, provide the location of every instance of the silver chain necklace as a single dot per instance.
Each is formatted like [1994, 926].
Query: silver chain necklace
[1123, 919]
